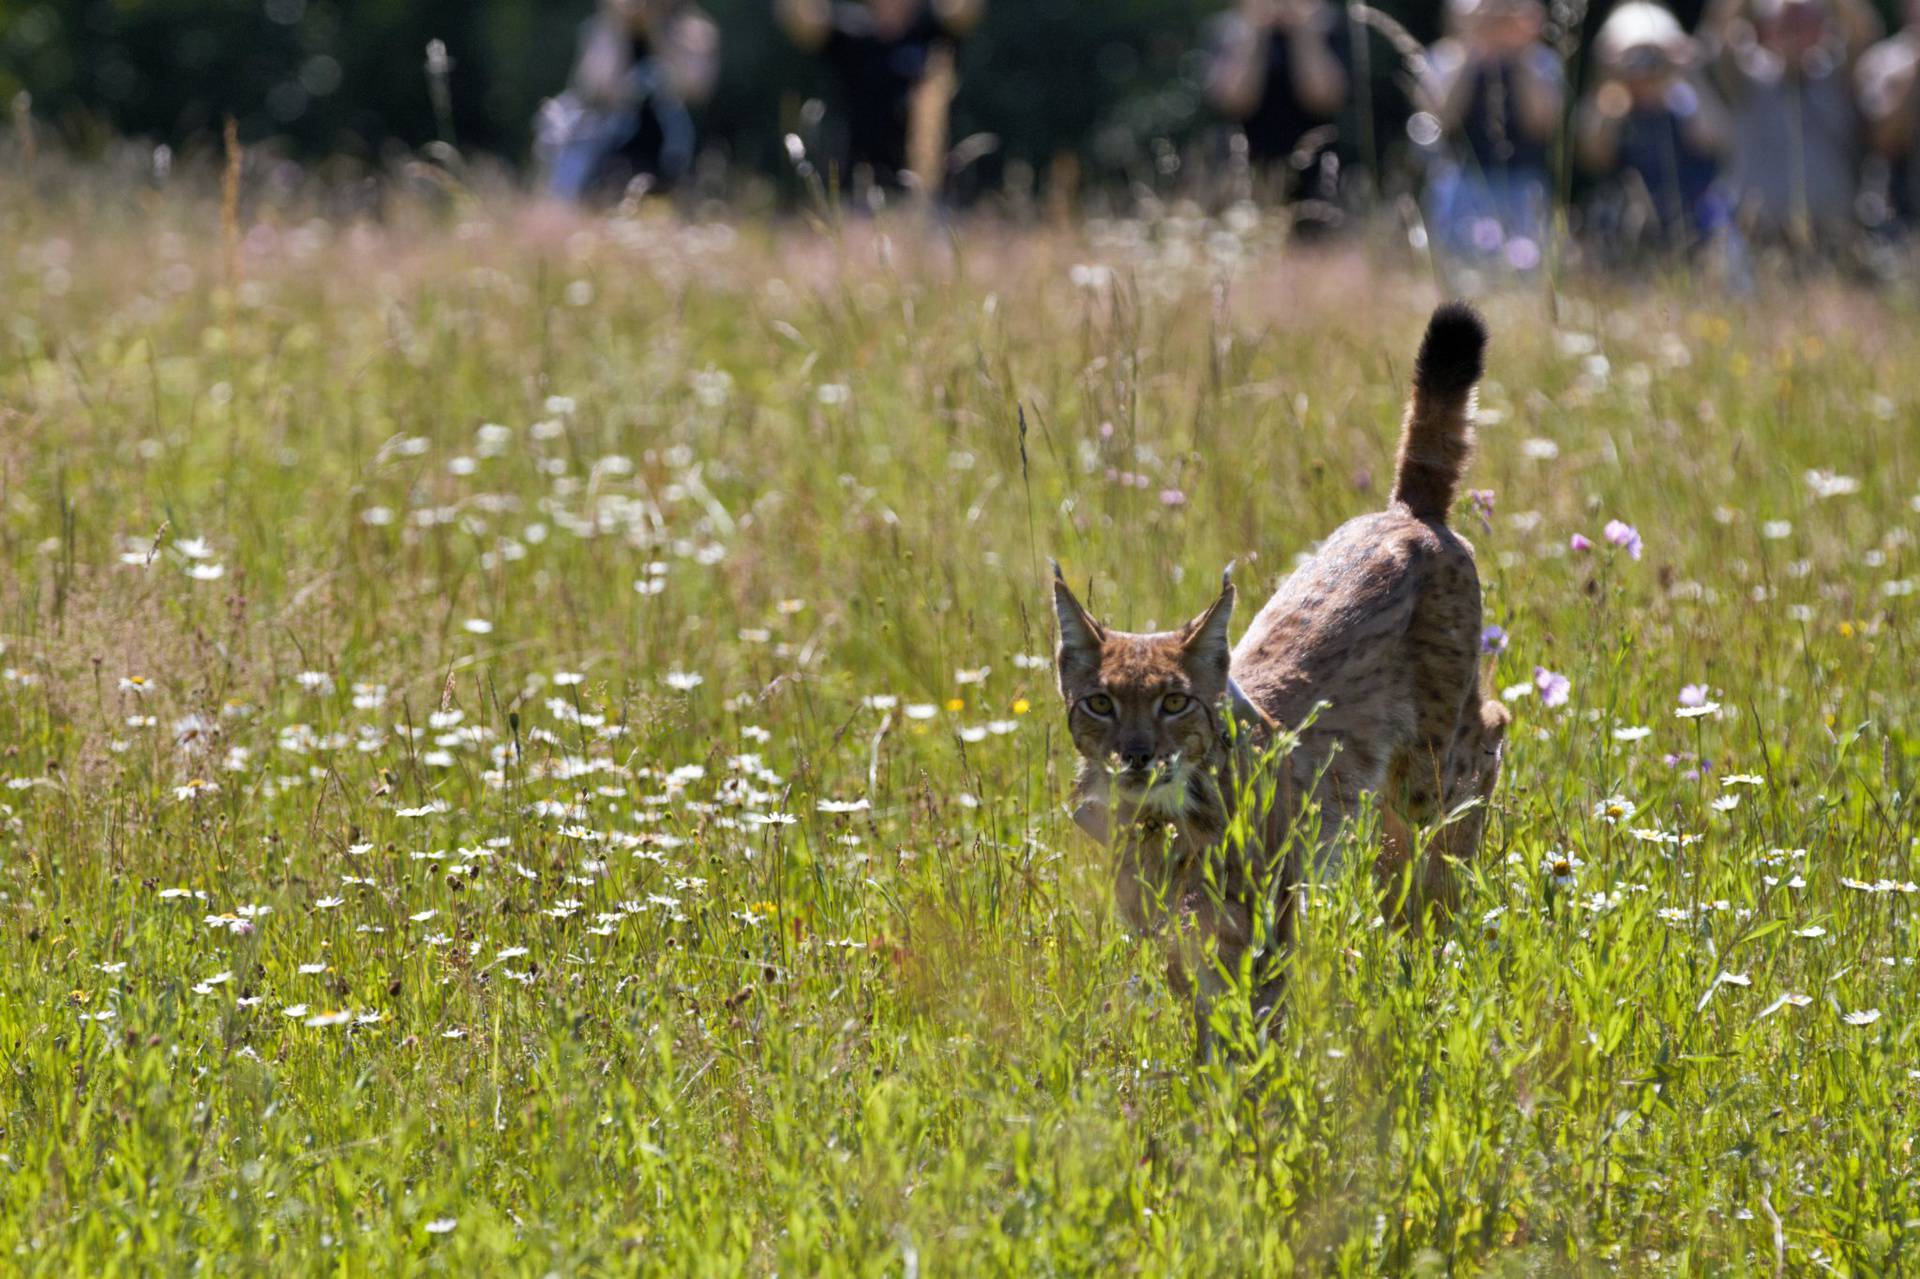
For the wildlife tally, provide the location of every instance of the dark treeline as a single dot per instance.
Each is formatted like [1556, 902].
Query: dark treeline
[1103, 79]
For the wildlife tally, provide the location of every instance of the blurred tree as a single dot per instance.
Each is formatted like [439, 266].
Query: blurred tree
[328, 75]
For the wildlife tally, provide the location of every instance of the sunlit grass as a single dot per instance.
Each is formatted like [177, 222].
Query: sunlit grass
[529, 746]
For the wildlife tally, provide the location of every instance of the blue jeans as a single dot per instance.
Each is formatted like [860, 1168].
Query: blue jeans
[1489, 216]
[580, 145]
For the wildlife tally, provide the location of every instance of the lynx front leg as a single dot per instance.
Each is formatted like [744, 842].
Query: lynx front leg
[1211, 940]
[1207, 937]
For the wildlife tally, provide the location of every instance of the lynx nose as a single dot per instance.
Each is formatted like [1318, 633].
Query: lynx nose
[1136, 757]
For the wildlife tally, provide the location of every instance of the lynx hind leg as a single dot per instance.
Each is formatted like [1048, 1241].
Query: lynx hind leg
[1472, 772]
[1428, 791]
[1473, 764]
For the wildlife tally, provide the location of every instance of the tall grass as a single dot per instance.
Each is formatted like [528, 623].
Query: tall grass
[528, 747]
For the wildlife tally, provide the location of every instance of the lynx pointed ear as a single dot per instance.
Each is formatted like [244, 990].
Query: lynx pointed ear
[1203, 641]
[1080, 636]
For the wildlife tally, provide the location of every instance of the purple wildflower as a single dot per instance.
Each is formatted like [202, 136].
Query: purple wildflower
[1493, 640]
[1693, 695]
[1578, 543]
[1623, 534]
[1552, 686]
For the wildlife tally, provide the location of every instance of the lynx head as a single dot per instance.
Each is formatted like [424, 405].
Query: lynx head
[1144, 709]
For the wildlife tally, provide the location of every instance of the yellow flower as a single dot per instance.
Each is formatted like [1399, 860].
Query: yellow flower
[956, 704]
[1021, 706]
[764, 908]
[1846, 630]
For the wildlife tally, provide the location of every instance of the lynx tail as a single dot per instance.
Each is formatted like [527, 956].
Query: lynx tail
[1438, 434]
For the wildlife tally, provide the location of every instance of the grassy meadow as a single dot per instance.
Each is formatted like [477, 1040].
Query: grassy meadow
[528, 745]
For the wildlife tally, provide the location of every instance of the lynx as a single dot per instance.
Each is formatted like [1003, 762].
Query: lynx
[1369, 651]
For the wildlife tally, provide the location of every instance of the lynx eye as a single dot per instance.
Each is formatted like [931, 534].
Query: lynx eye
[1099, 704]
[1174, 703]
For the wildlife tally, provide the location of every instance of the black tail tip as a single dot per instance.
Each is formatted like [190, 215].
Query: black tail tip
[1453, 354]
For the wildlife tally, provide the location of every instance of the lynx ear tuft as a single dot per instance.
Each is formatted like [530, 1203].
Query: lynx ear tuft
[1204, 639]
[1080, 636]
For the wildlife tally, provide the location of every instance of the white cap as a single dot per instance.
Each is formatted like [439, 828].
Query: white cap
[1634, 25]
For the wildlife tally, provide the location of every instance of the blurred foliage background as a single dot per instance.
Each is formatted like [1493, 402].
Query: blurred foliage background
[346, 78]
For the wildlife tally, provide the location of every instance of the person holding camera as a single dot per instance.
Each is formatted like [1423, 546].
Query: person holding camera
[625, 116]
[1496, 93]
[1653, 136]
[1889, 86]
[1785, 69]
[886, 55]
[1277, 69]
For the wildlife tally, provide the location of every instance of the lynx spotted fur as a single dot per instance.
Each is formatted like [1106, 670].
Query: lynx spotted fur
[1379, 631]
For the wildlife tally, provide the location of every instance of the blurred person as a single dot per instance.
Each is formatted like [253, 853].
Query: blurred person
[1785, 70]
[1496, 93]
[893, 60]
[1888, 79]
[1653, 135]
[1278, 69]
[625, 116]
